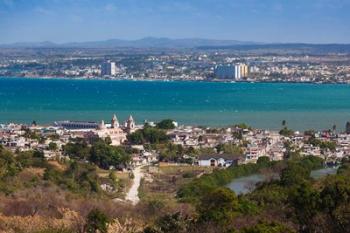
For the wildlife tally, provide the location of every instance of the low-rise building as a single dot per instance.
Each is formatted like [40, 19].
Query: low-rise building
[217, 160]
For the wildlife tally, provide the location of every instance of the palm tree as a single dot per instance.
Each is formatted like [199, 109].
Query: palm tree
[284, 122]
[347, 127]
[334, 127]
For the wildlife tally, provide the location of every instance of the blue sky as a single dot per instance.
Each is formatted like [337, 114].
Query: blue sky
[315, 21]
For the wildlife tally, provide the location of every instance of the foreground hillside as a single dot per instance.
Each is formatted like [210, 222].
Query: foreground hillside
[66, 196]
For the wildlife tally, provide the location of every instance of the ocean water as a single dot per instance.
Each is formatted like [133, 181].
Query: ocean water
[262, 105]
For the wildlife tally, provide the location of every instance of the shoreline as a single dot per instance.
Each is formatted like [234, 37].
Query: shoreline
[276, 129]
[167, 80]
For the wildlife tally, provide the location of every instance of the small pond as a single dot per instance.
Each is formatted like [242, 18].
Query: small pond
[247, 184]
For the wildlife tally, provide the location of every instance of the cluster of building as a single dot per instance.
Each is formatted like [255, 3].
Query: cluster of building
[19, 137]
[152, 64]
[250, 144]
[256, 143]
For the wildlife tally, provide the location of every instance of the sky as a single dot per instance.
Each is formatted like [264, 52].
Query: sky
[309, 21]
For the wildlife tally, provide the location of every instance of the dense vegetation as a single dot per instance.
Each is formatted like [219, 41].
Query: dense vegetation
[200, 187]
[330, 145]
[100, 153]
[76, 176]
[11, 166]
[148, 134]
[293, 203]
[296, 170]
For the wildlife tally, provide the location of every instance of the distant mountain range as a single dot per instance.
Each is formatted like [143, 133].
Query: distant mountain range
[153, 42]
[148, 42]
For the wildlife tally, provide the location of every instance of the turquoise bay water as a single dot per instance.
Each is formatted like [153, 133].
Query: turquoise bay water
[262, 105]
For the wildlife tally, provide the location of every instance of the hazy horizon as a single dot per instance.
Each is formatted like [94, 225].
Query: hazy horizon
[271, 21]
[172, 38]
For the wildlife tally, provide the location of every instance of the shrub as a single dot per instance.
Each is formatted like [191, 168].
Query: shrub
[97, 221]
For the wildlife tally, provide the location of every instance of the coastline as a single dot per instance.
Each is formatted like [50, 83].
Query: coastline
[167, 80]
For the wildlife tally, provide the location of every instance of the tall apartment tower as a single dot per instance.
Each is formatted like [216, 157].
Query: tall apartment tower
[224, 72]
[238, 74]
[108, 69]
[243, 70]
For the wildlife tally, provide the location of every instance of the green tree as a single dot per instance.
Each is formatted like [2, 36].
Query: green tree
[114, 179]
[53, 146]
[294, 174]
[38, 154]
[334, 127]
[9, 167]
[154, 135]
[108, 140]
[347, 127]
[284, 123]
[263, 160]
[305, 201]
[335, 198]
[97, 221]
[330, 145]
[105, 155]
[335, 193]
[219, 206]
[286, 132]
[136, 137]
[311, 162]
[166, 124]
[170, 223]
[78, 150]
[170, 152]
[148, 135]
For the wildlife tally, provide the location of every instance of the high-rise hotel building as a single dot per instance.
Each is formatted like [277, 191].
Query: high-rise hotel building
[108, 69]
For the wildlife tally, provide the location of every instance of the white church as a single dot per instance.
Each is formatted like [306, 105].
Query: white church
[115, 131]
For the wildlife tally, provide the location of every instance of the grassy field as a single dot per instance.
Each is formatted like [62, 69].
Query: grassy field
[162, 182]
[122, 178]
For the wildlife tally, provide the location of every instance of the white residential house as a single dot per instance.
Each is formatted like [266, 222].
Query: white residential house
[217, 160]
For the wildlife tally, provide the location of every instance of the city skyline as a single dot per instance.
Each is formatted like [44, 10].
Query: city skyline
[319, 21]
